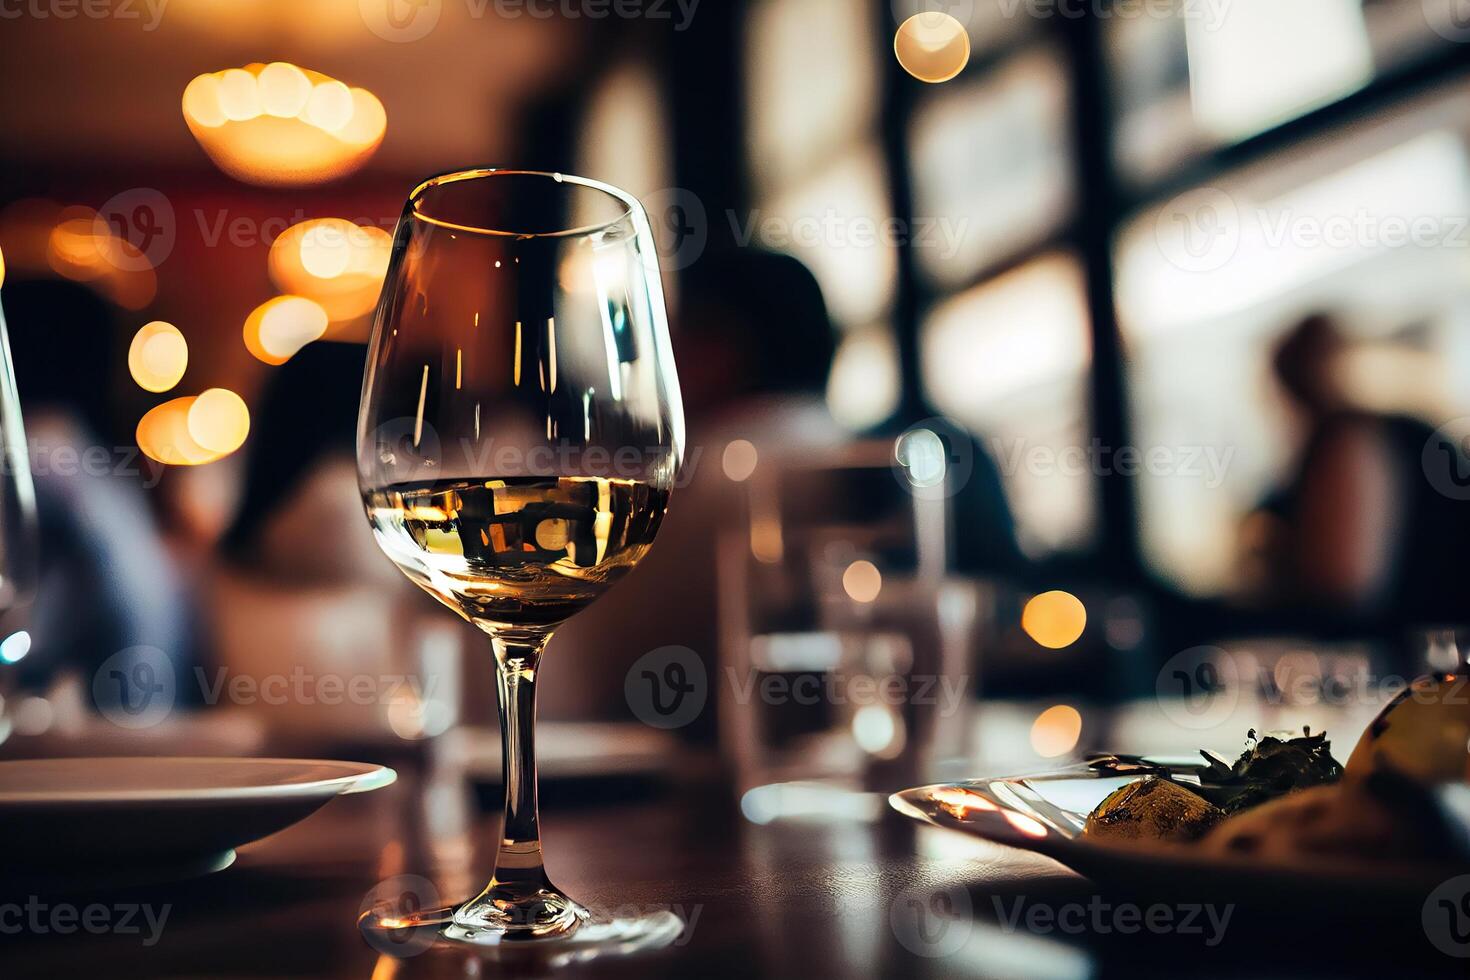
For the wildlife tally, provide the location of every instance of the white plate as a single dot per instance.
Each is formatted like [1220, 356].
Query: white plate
[158, 817]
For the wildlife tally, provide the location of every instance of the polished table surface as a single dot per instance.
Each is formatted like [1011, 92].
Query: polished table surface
[788, 899]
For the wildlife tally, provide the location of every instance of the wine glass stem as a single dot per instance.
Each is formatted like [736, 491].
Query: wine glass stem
[520, 841]
[520, 900]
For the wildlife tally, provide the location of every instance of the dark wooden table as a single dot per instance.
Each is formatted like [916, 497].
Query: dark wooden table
[785, 900]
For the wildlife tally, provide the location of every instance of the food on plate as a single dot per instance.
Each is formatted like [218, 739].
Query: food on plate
[1270, 767]
[1423, 733]
[1152, 809]
[1383, 817]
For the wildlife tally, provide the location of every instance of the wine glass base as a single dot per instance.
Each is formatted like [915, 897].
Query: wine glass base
[592, 936]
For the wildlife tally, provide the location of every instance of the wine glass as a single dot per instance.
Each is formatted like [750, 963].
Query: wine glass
[18, 528]
[519, 435]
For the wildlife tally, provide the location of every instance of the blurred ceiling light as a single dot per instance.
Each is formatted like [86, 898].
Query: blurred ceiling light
[79, 245]
[281, 326]
[218, 421]
[163, 435]
[1056, 731]
[1054, 619]
[862, 581]
[863, 385]
[158, 356]
[1268, 61]
[932, 46]
[278, 124]
[334, 262]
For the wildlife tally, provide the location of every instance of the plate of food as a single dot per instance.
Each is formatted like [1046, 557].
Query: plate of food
[1282, 823]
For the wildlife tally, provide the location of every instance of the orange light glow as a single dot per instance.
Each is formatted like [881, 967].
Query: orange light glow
[932, 46]
[1056, 731]
[281, 326]
[1054, 619]
[1029, 826]
[74, 242]
[218, 421]
[2, 267]
[862, 581]
[334, 262]
[959, 802]
[278, 124]
[158, 356]
[163, 435]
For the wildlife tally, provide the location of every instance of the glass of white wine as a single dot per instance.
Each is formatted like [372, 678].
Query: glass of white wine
[519, 435]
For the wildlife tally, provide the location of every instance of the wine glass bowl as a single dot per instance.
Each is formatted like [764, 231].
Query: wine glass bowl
[520, 431]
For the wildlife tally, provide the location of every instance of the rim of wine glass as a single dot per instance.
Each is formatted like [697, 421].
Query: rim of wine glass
[630, 203]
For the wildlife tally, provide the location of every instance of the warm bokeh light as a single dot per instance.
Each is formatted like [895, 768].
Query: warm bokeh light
[2, 267]
[278, 124]
[932, 46]
[281, 326]
[163, 435]
[1054, 619]
[739, 460]
[1056, 731]
[1029, 826]
[218, 421]
[334, 262]
[878, 730]
[158, 356]
[862, 581]
[45, 238]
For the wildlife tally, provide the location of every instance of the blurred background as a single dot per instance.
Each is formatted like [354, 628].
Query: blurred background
[1069, 361]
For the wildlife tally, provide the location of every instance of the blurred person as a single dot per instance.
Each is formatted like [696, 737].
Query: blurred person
[1356, 531]
[108, 582]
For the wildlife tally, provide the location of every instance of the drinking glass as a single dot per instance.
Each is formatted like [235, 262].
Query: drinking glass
[18, 528]
[519, 435]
